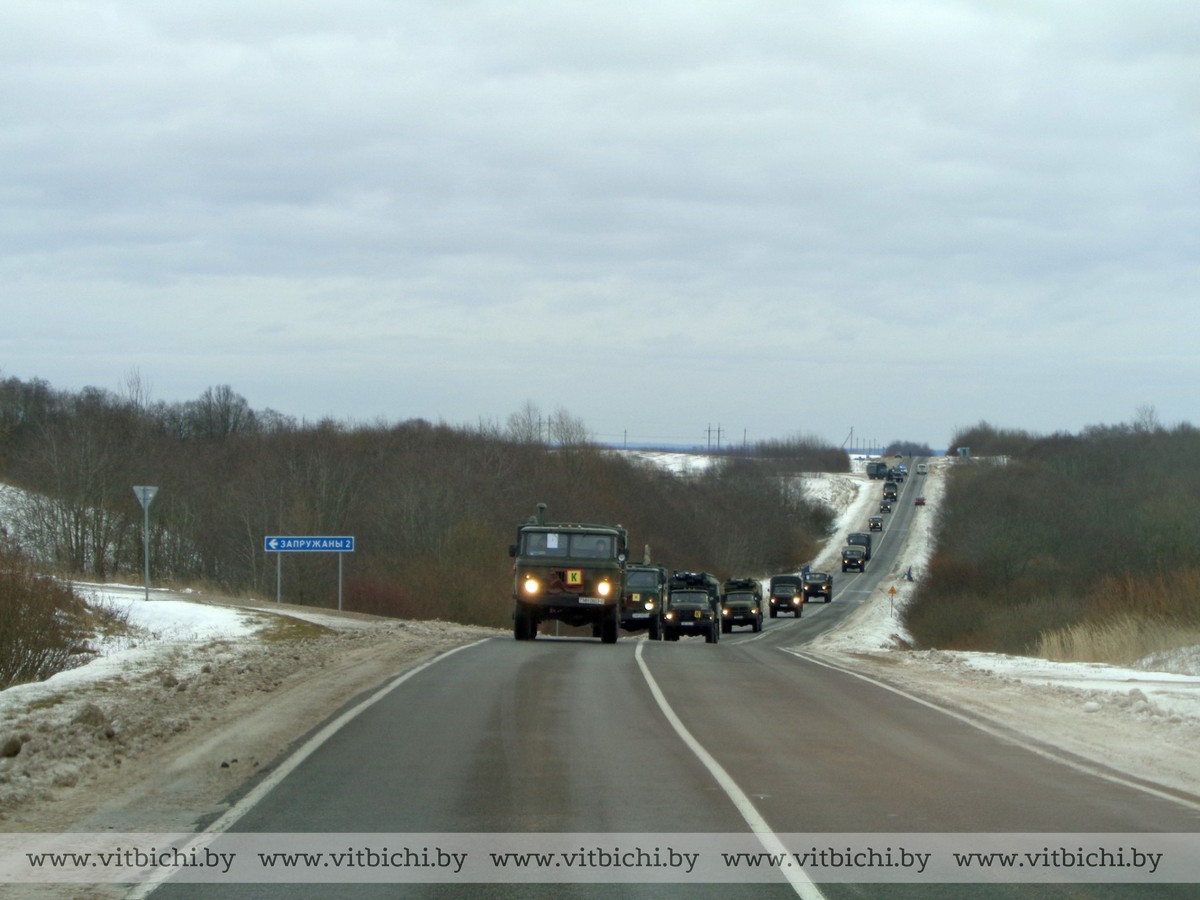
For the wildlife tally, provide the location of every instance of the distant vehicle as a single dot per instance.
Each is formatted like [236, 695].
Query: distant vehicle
[920, 501]
[860, 539]
[693, 605]
[643, 599]
[875, 523]
[741, 604]
[876, 469]
[569, 572]
[854, 558]
[818, 585]
[890, 490]
[885, 507]
[786, 595]
[922, 469]
[902, 469]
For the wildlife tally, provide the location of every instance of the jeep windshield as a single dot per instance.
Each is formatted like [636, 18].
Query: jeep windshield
[567, 544]
[816, 578]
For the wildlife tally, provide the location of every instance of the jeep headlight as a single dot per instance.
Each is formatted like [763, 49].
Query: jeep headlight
[669, 616]
[603, 588]
[649, 606]
[532, 586]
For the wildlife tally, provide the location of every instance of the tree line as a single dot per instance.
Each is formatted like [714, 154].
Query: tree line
[433, 507]
[1040, 536]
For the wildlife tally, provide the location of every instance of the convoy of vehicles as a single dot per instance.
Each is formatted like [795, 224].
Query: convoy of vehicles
[578, 574]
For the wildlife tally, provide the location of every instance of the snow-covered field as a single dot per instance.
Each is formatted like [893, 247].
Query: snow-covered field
[195, 669]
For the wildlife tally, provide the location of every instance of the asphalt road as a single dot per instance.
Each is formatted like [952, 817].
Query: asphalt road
[572, 736]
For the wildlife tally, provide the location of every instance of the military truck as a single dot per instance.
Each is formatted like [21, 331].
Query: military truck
[786, 595]
[741, 604]
[876, 470]
[643, 599]
[818, 586]
[860, 539]
[568, 572]
[854, 558]
[693, 606]
[891, 490]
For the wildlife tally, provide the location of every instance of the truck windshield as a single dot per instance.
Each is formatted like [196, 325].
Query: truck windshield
[688, 597]
[567, 544]
[740, 597]
[641, 580]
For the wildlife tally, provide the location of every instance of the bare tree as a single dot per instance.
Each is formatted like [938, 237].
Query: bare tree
[525, 425]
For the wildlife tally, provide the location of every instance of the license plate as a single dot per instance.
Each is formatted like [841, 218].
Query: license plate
[641, 615]
[593, 601]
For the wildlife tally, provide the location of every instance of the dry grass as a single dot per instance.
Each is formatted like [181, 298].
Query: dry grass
[1120, 642]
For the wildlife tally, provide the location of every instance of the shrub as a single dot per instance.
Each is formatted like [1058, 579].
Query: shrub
[41, 622]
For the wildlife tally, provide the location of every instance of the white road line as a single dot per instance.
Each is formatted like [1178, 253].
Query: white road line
[289, 765]
[797, 877]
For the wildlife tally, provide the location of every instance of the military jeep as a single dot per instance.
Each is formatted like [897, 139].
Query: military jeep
[568, 572]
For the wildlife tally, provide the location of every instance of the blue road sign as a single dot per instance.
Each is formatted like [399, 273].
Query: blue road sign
[289, 544]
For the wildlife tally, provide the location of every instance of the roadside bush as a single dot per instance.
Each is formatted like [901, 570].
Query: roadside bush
[41, 622]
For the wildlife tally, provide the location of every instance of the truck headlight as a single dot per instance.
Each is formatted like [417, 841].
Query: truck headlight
[532, 586]
[603, 588]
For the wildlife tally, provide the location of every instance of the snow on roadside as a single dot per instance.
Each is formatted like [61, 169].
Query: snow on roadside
[1142, 720]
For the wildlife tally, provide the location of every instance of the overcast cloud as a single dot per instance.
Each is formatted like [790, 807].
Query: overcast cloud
[898, 217]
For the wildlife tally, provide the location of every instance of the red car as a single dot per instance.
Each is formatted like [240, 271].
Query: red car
[920, 501]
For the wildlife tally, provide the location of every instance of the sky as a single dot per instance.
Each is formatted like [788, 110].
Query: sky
[677, 222]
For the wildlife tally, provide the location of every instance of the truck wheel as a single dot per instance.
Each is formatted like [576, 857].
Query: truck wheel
[712, 636]
[610, 626]
[656, 630]
[774, 612]
[726, 627]
[524, 626]
[757, 625]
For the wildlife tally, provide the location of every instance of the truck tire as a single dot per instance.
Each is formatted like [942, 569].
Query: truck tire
[610, 627]
[524, 626]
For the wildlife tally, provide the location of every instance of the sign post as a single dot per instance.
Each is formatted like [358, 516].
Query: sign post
[281, 544]
[145, 495]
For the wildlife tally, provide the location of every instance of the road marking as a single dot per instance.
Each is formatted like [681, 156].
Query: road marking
[770, 841]
[1004, 734]
[307, 749]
